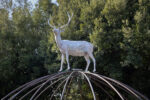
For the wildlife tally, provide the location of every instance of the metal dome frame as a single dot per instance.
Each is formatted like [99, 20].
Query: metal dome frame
[38, 86]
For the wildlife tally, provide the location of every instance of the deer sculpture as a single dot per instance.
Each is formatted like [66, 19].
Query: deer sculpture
[73, 48]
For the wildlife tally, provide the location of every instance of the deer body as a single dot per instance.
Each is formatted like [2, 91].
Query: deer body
[74, 48]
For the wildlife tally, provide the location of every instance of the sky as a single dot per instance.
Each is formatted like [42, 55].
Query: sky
[55, 2]
[35, 1]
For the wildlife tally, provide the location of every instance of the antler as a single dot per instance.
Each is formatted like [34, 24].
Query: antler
[50, 24]
[70, 17]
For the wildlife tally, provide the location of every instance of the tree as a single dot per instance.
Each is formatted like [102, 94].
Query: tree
[119, 30]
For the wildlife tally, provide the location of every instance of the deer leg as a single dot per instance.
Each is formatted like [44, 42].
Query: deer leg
[67, 58]
[92, 57]
[62, 61]
[88, 62]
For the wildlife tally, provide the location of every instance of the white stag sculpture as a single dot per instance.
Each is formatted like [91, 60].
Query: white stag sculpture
[74, 48]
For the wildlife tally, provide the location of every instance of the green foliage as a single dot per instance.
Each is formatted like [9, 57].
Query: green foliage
[78, 88]
[119, 30]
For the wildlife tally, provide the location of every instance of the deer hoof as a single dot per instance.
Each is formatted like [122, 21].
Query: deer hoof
[94, 70]
[60, 70]
[68, 68]
[86, 71]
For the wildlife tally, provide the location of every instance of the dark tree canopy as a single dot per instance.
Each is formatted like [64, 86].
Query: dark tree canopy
[119, 30]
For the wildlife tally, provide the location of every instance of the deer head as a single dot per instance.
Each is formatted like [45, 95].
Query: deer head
[60, 29]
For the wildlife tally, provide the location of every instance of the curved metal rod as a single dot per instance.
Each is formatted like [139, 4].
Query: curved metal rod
[48, 87]
[101, 78]
[66, 85]
[26, 87]
[31, 83]
[111, 83]
[57, 88]
[50, 79]
[122, 86]
[82, 73]
[17, 89]
[94, 79]
[30, 92]
[128, 88]
[98, 85]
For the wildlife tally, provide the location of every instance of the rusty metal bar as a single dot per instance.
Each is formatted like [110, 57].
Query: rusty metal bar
[30, 92]
[50, 79]
[57, 88]
[17, 89]
[89, 84]
[107, 82]
[66, 85]
[128, 88]
[48, 87]
[98, 85]
[26, 87]
[40, 85]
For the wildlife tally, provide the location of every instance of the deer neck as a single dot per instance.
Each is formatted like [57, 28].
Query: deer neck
[58, 41]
